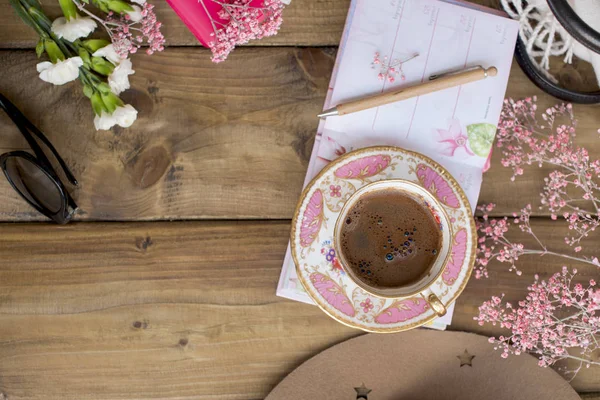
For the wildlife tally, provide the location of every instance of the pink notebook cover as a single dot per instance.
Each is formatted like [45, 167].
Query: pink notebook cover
[195, 14]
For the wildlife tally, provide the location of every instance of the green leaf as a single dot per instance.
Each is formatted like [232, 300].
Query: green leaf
[88, 91]
[94, 45]
[97, 104]
[111, 102]
[53, 51]
[85, 56]
[119, 6]
[103, 88]
[101, 66]
[481, 138]
[68, 8]
[39, 48]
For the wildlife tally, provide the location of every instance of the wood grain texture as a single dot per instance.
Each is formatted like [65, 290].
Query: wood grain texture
[182, 310]
[306, 23]
[226, 141]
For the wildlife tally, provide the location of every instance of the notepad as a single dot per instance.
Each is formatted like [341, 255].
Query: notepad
[455, 126]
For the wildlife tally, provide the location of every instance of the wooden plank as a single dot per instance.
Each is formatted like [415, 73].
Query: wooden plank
[226, 141]
[306, 23]
[176, 310]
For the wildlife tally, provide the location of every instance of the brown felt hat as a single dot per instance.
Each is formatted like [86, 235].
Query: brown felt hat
[421, 365]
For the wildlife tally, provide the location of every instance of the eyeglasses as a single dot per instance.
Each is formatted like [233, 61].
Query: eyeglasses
[32, 176]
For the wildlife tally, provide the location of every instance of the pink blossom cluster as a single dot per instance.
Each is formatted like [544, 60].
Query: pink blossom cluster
[239, 22]
[572, 190]
[128, 36]
[492, 242]
[388, 69]
[557, 320]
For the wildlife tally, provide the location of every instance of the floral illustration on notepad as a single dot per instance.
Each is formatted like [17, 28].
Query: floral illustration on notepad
[452, 139]
[330, 149]
[481, 138]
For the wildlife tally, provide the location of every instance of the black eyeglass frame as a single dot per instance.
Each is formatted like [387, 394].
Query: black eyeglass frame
[41, 161]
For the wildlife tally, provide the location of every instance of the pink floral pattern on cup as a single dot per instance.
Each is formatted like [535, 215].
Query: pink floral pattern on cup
[457, 257]
[332, 293]
[365, 167]
[312, 219]
[437, 185]
[367, 305]
[335, 190]
[402, 310]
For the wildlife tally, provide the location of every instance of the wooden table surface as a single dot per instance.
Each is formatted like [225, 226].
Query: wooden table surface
[165, 288]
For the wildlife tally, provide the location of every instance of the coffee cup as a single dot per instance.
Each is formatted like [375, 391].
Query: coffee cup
[393, 239]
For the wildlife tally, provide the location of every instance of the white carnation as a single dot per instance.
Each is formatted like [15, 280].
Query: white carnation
[78, 27]
[109, 53]
[123, 116]
[61, 72]
[118, 80]
[104, 121]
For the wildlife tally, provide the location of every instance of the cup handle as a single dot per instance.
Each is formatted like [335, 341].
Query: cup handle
[435, 303]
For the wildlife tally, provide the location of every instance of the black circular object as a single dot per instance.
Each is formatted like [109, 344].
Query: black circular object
[582, 33]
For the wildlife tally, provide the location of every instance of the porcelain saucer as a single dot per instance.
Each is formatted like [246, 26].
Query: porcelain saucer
[312, 238]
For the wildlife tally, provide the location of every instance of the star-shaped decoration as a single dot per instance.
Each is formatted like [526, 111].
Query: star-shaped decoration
[466, 359]
[362, 391]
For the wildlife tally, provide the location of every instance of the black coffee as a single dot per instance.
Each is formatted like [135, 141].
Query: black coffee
[390, 239]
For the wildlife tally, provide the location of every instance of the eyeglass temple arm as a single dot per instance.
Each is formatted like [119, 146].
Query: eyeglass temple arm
[20, 120]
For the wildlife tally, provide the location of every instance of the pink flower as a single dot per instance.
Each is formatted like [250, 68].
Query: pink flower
[335, 191]
[571, 184]
[452, 139]
[367, 305]
[146, 26]
[388, 68]
[554, 317]
[239, 21]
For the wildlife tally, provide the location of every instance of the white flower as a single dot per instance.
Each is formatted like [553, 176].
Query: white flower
[140, 2]
[109, 53]
[136, 14]
[104, 122]
[61, 72]
[118, 80]
[78, 27]
[123, 116]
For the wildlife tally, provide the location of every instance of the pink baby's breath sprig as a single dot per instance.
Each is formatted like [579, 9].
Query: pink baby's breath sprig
[126, 35]
[557, 320]
[493, 243]
[571, 191]
[389, 69]
[239, 22]
[129, 36]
